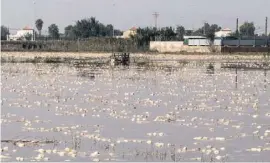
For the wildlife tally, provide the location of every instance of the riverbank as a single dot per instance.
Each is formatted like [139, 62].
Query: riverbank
[6, 56]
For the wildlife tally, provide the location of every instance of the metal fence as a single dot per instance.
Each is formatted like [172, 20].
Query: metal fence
[229, 42]
[265, 42]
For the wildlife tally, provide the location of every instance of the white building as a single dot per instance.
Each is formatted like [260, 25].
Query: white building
[195, 37]
[20, 35]
[223, 33]
[131, 32]
[200, 41]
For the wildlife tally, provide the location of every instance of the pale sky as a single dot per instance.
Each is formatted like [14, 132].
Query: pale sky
[124, 14]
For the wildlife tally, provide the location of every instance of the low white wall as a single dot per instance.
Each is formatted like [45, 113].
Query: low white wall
[166, 46]
[178, 46]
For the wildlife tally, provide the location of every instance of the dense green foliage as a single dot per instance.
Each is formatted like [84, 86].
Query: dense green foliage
[91, 27]
[39, 25]
[93, 44]
[180, 32]
[145, 35]
[28, 36]
[247, 29]
[54, 31]
[4, 32]
[206, 30]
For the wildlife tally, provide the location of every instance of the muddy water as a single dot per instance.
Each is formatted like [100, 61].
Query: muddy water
[188, 112]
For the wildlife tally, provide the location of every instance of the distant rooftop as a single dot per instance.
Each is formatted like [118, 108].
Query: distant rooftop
[226, 29]
[27, 28]
[133, 29]
[193, 37]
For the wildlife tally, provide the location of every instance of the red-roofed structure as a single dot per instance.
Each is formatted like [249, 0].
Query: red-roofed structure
[27, 28]
[133, 29]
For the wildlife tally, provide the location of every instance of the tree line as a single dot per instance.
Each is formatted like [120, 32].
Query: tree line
[91, 27]
[83, 29]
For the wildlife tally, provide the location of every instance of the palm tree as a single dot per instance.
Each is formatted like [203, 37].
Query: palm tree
[39, 25]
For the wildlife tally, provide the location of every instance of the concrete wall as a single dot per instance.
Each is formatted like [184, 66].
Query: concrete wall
[166, 46]
[178, 46]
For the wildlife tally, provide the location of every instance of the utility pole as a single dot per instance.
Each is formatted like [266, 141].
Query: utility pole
[113, 15]
[8, 34]
[204, 28]
[237, 31]
[266, 24]
[266, 34]
[33, 37]
[156, 14]
[237, 28]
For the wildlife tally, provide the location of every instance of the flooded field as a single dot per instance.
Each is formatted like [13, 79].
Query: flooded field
[192, 111]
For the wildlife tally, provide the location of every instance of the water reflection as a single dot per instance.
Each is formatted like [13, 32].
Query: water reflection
[265, 79]
[85, 74]
[89, 71]
[236, 78]
[136, 113]
[210, 69]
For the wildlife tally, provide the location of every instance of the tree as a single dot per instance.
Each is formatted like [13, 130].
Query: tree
[210, 33]
[28, 36]
[53, 31]
[69, 32]
[167, 34]
[180, 32]
[207, 30]
[4, 32]
[118, 32]
[202, 31]
[188, 32]
[214, 28]
[110, 30]
[86, 28]
[39, 25]
[91, 27]
[144, 36]
[247, 29]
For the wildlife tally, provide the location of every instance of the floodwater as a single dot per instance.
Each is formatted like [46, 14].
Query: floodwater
[187, 112]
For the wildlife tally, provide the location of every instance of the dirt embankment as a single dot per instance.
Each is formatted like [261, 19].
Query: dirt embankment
[150, 56]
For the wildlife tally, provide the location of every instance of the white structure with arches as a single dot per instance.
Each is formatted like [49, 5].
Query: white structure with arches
[20, 35]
